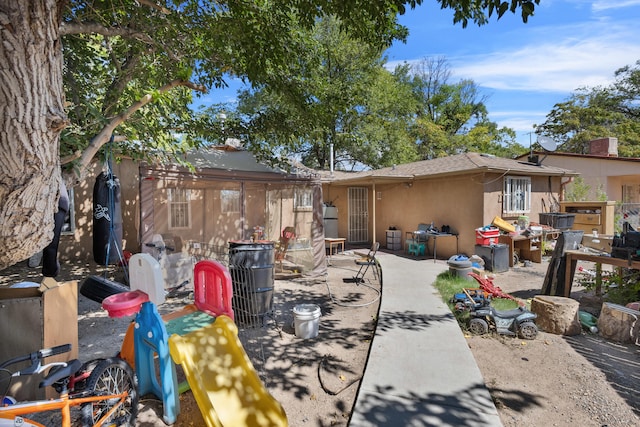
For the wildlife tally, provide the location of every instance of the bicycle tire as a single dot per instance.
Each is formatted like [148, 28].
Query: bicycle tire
[97, 288]
[112, 375]
[87, 368]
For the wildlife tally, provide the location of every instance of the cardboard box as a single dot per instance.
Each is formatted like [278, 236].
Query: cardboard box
[35, 318]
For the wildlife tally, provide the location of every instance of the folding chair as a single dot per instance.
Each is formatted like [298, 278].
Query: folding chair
[366, 262]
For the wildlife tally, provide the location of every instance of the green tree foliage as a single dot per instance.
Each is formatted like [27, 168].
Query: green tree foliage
[577, 190]
[130, 70]
[591, 113]
[342, 96]
[451, 117]
[133, 67]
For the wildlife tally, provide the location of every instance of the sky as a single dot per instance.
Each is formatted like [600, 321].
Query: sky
[522, 69]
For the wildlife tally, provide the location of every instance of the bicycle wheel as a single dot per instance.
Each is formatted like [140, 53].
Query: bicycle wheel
[111, 376]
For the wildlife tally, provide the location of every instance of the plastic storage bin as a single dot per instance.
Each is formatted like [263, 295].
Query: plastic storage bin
[561, 221]
[487, 236]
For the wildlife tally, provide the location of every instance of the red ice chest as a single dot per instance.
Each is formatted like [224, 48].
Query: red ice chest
[487, 236]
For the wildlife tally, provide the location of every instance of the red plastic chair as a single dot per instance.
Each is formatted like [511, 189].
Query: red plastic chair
[212, 288]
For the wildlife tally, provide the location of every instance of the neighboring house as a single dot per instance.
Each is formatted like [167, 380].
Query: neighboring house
[605, 173]
[464, 191]
[223, 198]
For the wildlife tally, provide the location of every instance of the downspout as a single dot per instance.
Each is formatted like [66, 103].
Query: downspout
[563, 185]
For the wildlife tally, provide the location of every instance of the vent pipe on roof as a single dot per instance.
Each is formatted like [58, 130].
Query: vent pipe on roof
[331, 158]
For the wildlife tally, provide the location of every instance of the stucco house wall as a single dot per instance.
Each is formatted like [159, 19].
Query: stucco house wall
[608, 174]
[267, 200]
[463, 202]
[461, 192]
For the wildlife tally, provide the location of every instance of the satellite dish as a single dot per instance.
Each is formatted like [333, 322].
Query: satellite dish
[547, 143]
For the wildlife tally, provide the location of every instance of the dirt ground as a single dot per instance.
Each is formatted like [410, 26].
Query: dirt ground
[582, 380]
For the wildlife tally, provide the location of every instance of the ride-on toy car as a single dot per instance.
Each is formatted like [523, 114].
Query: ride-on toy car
[470, 299]
[518, 321]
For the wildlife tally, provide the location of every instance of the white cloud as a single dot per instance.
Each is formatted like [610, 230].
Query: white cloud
[564, 60]
[601, 5]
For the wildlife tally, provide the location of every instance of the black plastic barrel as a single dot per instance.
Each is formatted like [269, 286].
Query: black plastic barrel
[251, 265]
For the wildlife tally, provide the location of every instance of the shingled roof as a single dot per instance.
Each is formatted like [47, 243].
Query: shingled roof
[459, 164]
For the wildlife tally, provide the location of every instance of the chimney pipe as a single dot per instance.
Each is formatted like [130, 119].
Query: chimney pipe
[331, 158]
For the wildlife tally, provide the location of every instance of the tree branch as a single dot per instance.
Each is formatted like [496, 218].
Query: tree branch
[155, 6]
[105, 134]
[74, 28]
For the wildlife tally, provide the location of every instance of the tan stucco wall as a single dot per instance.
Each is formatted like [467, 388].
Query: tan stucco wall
[463, 202]
[544, 197]
[212, 226]
[270, 205]
[600, 173]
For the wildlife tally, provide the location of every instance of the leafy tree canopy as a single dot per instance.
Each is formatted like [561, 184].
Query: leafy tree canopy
[83, 72]
[592, 113]
[451, 117]
[133, 67]
[341, 97]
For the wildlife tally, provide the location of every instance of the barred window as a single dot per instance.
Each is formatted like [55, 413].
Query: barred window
[303, 199]
[179, 208]
[230, 201]
[517, 195]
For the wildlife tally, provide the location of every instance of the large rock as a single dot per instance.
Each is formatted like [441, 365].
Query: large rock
[619, 323]
[556, 315]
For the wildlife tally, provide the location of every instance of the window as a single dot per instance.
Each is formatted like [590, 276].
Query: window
[303, 199]
[517, 195]
[179, 208]
[230, 201]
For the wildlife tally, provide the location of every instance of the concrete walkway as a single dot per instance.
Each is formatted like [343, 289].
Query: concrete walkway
[420, 371]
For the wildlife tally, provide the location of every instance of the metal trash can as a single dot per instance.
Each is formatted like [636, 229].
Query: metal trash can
[251, 265]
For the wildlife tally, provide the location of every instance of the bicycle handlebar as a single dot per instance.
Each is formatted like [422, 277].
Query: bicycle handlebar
[59, 349]
[36, 356]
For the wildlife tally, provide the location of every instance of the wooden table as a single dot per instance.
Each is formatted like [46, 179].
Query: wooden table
[524, 245]
[335, 242]
[572, 258]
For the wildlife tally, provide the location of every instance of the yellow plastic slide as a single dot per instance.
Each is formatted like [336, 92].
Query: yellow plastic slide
[225, 384]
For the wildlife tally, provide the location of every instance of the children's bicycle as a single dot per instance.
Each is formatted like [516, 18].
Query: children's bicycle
[104, 389]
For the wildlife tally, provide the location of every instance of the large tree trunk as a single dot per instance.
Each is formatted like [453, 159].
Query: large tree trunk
[31, 118]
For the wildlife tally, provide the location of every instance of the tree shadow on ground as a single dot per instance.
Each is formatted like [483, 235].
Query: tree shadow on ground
[329, 363]
[409, 320]
[619, 362]
[386, 406]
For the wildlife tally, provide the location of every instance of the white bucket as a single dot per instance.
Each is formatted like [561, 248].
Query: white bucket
[306, 319]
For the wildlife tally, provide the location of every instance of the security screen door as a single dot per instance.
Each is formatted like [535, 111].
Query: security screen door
[358, 215]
